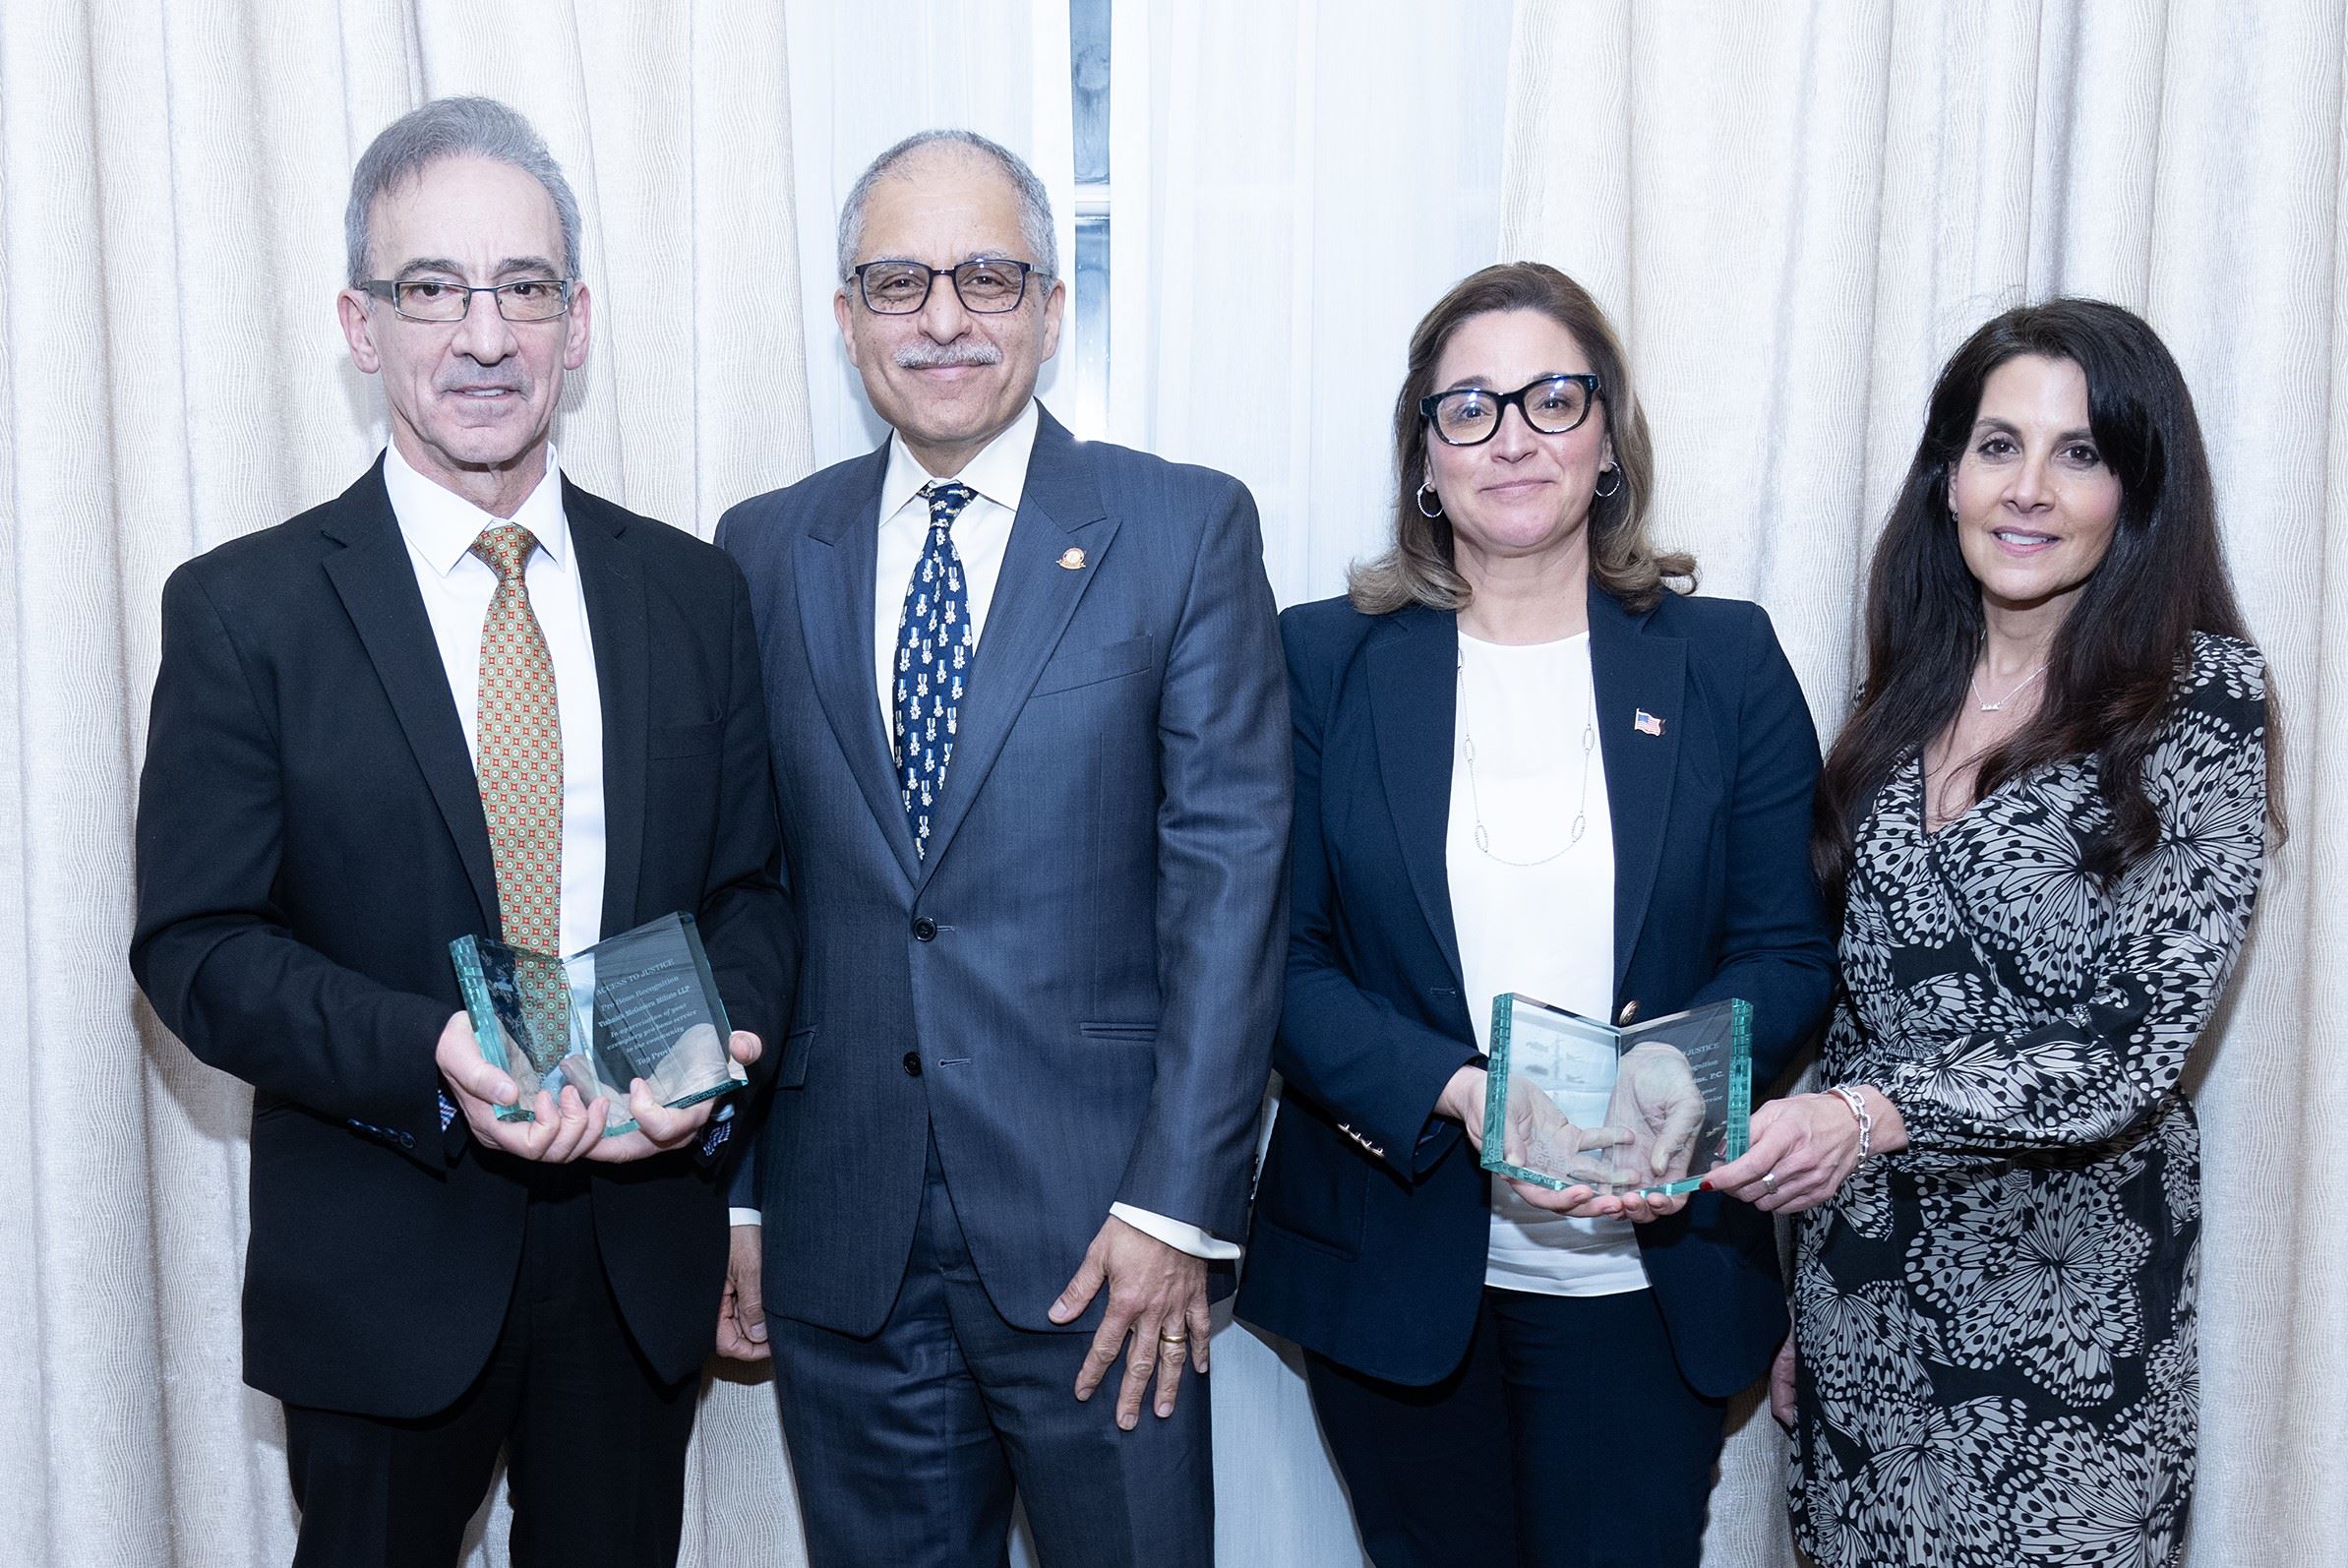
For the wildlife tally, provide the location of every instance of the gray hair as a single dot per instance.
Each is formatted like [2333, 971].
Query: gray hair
[1035, 202]
[448, 128]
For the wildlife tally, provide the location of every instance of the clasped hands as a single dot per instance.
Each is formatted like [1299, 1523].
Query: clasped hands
[568, 1127]
[1653, 1120]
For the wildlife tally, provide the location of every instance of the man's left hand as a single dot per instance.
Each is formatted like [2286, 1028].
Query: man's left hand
[658, 1129]
[1158, 1295]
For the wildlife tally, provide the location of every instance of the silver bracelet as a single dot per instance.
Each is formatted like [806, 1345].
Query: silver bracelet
[1858, 1107]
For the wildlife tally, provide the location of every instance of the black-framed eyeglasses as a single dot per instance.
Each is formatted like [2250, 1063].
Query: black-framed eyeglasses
[1468, 416]
[989, 286]
[436, 299]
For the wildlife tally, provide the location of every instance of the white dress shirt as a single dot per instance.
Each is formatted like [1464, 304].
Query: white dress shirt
[981, 534]
[440, 528]
[1544, 929]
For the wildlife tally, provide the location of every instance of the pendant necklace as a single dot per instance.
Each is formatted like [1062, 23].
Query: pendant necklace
[1581, 822]
[1988, 706]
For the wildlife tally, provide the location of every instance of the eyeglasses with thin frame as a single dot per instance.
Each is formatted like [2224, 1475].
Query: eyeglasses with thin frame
[1469, 416]
[989, 286]
[437, 299]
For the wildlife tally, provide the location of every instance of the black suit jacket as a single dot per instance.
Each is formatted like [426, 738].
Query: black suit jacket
[1372, 1220]
[310, 839]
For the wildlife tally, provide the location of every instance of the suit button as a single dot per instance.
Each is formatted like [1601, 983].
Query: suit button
[913, 1063]
[925, 929]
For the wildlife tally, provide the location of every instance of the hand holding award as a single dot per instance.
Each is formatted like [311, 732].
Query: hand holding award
[1659, 1104]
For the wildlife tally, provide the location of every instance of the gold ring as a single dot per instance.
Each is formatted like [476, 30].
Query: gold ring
[1165, 1338]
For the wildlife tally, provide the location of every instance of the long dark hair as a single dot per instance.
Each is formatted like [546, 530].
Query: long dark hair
[2118, 652]
[1417, 567]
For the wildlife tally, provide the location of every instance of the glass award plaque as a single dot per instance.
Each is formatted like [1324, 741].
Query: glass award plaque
[1650, 1108]
[642, 1005]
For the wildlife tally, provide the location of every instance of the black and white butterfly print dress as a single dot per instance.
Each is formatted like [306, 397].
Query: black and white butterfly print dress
[1996, 1327]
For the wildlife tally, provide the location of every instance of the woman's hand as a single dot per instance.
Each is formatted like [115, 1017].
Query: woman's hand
[1532, 1121]
[1781, 1387]
[1641, 1207]
[1544, 1138]
[1462, 1099]
[1804, 1148]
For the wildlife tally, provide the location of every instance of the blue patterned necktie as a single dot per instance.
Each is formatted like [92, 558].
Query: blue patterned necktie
[934, 644]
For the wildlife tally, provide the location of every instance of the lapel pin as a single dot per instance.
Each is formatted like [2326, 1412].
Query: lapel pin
[1646, 723]
[1071, 560]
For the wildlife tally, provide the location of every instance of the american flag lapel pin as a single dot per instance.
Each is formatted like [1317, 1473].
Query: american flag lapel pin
[1647, 723]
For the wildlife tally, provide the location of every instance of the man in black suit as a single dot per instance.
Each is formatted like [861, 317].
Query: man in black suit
[465, 697]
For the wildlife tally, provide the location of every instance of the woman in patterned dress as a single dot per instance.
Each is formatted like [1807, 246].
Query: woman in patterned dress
[2044, 826]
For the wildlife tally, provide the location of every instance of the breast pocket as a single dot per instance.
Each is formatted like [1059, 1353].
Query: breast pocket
[1079, 667]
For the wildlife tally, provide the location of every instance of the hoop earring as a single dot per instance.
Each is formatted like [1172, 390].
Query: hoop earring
[1608, 495]
[1425, 490]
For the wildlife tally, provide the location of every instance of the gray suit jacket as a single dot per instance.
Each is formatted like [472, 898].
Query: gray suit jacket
[1077, 991]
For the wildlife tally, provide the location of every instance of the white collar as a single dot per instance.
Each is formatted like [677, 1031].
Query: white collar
[999, 472]
[442, 524]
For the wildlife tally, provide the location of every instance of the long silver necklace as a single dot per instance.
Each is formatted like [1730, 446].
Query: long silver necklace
[1484, 836]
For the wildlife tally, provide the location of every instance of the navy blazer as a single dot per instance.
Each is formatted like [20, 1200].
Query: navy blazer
[1371, 1219]
[1074, 993]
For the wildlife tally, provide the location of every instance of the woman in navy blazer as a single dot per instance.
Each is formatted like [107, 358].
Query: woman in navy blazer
[1578, 1421]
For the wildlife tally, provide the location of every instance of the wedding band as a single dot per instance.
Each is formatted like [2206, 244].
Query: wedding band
[1165, 1338]
[1769, 1179]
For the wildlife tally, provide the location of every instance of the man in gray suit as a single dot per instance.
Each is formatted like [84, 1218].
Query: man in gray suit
[1031, 738]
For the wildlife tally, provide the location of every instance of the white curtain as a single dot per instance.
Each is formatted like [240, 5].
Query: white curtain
[1296, 183]
[171, 374]
[1293, 185]
[1796, 211]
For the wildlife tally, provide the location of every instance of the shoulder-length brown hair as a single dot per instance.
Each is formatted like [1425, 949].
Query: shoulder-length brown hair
[1417, 568]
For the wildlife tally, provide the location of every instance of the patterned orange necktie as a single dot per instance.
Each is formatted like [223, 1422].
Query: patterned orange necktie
[518, 750]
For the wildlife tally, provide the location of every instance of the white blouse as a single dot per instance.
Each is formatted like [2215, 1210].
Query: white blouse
[1534, 908]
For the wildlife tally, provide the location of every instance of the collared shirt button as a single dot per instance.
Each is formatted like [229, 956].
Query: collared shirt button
[913, 1063]
[924, 929]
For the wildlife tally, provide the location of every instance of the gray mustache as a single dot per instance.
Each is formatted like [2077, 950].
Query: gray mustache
[936, 356]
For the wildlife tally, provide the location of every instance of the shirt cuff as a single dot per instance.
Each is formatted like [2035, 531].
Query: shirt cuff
[1177, 1233]
[745, 1216]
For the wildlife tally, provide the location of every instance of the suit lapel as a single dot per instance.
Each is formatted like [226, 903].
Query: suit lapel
[1413, 707]
[378, 586]
[612, 581]
[1638, 676]
[1033, 600]
[834, 577]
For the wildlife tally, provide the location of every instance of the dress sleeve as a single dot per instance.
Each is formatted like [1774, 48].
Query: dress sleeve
[2110, 1060]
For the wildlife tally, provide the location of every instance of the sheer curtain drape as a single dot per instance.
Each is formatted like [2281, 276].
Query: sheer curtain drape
[1296, 183]
[1293, 185]
[1796, 211]
[171, 374]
